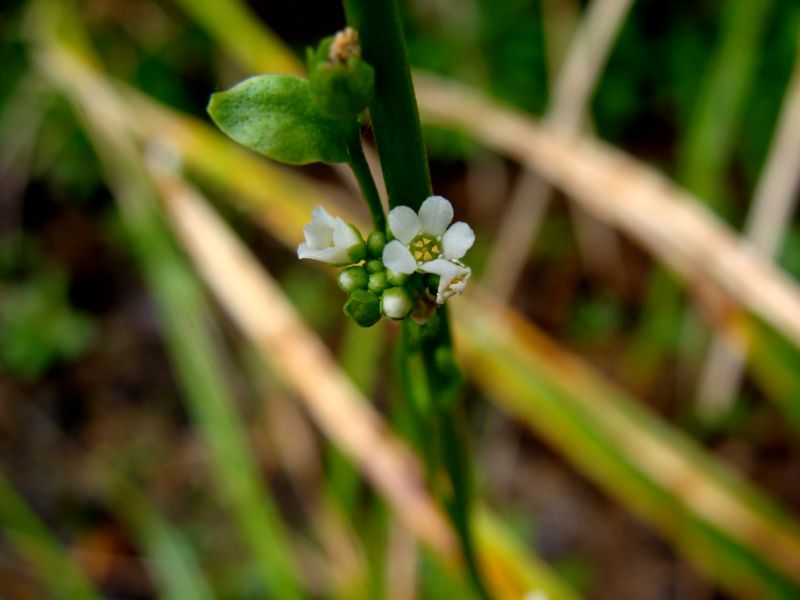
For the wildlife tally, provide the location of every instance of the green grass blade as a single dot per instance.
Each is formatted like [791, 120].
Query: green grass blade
[237, 29]
[34, 542]
[168, 555]
[183, 313]
[711, 134]
[736, 535]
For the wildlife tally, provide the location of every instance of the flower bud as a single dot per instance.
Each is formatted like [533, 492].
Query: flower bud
[396, 303]
[375, 244]
[396, 278]
[374, 266]
[352, 279]
[342, 84]
[363, 307]
[377, 282]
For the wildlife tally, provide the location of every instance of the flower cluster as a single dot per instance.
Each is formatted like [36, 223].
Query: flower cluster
[416, 269]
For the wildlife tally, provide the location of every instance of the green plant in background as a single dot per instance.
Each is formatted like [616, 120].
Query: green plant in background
[411, 263]
[38, 327]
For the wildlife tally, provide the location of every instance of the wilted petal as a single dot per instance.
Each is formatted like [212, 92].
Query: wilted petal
[435, 215]
[453, 277]
[457, 240]
[397, 258]
[403, 223]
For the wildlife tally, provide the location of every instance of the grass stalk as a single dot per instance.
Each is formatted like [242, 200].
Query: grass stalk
[767, 222]
[183, 312]
[37, 545]
[567, 113]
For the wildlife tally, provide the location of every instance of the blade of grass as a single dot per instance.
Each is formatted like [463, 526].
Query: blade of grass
[260, 310]
[267, 319]
[238, 31]
[726, 496]
[233, 183]
[734, 534]
[658, 185]
[704, 160]
[162, 546]
[769, 218]
[615, 188]
[710, 136]
[182, 309]
[37, 545]
[572, 92]
[169, 556]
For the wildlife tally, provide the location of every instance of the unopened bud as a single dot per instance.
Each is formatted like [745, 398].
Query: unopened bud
[396, 303]
[375, 265]
[363, 307]
[352, 279]
[342, 84]
[375, 244]
[377, 282]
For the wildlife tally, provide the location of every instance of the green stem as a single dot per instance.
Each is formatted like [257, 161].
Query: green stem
[360, 167]
[395, 121]
[394, 114]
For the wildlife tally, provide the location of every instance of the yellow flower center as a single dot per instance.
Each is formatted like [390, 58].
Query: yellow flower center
[425, 248]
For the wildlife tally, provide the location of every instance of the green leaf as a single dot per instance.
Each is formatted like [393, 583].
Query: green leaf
[275, 116]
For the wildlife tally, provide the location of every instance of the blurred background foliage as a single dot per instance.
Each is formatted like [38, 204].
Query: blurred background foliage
[150, 448]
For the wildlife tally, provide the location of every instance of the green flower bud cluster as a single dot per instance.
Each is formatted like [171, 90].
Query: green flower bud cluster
[342, 84]
[373, 291]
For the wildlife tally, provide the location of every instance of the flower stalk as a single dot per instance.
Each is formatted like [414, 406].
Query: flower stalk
[395, 121]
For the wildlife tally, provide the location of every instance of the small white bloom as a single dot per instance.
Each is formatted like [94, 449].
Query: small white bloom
[424, 242]
[331, 240]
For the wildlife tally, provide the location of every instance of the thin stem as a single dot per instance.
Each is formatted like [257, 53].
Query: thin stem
[394, 114]
[395, 121]
[360, 167]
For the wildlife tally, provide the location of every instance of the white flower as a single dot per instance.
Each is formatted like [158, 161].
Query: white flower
[331, 240]
[424, 242]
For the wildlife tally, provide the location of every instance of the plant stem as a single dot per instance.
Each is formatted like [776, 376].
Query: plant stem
[394, 114]
[360, 167]
[395, 121]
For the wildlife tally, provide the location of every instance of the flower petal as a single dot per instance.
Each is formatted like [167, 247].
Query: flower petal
[331, 255]
[403, 223]
[323, 216]
[444, 268]
[435, 215]
[318, 232]
[344, 235]
[457, 240]
[397, 258]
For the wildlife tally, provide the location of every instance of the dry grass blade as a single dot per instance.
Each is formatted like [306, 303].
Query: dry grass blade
[769, 218]
[617, 189]
[268, 320]
[572, 91]
[657, 471]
